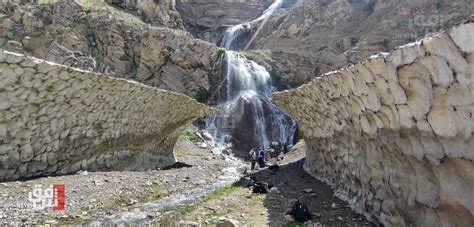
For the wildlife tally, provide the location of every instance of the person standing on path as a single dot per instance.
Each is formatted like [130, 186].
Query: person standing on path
[274, 162]
[253, 158]
[261, 158]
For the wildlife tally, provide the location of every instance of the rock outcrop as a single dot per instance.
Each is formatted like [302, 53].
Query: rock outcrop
[58, 120]
[157, 13]
[393, 135]
[318, 36]
[208, 19]
[95, 36]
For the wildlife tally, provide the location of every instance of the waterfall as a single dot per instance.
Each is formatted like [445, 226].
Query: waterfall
[234, 32]
[250, 119]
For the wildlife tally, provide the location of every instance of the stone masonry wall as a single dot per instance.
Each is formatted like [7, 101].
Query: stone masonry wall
[393, 135]
[58, 120]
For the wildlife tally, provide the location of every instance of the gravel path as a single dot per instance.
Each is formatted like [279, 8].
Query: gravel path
[293, 183]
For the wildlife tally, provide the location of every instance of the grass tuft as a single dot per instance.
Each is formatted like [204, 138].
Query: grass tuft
[189, 135]
[47, 2]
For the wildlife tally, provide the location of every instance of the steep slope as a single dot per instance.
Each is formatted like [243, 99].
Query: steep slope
[317, 36]
[208, 19]
[92, 35]
[393, 135]
[157, 13]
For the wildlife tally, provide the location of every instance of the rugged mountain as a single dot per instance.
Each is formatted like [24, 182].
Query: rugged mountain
[208, 19]
[315, 36]
[158, 13]
[308, 37]
[93, 35]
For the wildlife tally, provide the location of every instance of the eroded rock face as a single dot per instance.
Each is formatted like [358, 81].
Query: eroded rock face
[158, 13]
[393, 135]
[208, 19]
[57, 120]
[105, 39]
[318, 36]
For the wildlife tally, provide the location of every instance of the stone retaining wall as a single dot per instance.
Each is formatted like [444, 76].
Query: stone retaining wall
[58, 120]
[393, 135]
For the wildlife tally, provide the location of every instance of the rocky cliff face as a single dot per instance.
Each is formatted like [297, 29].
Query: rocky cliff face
[393, 135]
[93, 35]
[57, 120]
[316, 36]
[208, 19]
[157, 13]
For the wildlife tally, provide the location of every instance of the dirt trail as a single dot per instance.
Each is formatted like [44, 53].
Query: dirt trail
[236, 203]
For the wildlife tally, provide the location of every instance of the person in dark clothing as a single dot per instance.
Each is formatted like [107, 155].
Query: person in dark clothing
[300, 212]
[285, 148]
[261, 158]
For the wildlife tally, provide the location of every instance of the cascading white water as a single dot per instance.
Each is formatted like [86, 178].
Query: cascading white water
[249, 116]
[232, 33]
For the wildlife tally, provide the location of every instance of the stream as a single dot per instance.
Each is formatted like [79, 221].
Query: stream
[138, 214]
[246, 100]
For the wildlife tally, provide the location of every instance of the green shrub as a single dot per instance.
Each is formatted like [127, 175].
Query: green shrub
[386, 44]
[188, 135]
[202, 95]
[275, 75]
[221, 51]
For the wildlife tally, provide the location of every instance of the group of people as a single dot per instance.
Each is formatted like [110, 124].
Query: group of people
[271, 153]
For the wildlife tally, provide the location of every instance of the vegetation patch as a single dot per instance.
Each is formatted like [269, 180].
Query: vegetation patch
[202, 95]
[247, 55]
[386, 44]
[47, 2]
[277, 79]
[221, 51]
[189, 135]
[183, 211]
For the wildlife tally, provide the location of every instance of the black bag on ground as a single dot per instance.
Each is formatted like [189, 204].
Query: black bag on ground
[260, 188]
[300, 212]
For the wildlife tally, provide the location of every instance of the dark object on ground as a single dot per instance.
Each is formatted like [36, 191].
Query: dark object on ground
[274, 168]
[300, 212]
[178, 165]
[260, 188]
[249, 181]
